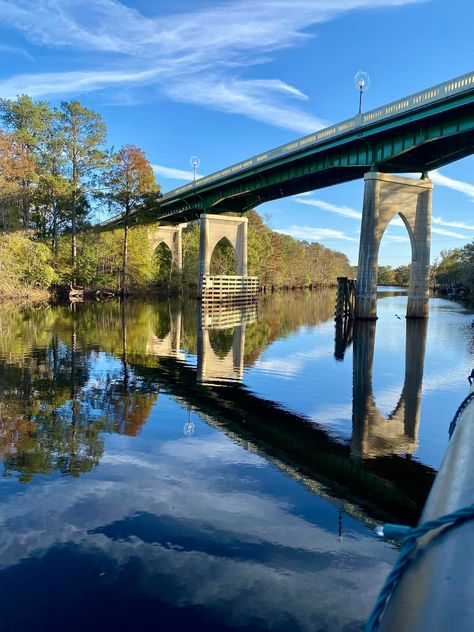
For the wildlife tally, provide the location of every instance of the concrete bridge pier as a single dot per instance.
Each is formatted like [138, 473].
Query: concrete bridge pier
[384, 197]
[172, 237]
[213, 229]
[238, 287]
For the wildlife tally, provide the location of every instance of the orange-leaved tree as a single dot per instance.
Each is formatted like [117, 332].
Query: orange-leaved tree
[131, 185]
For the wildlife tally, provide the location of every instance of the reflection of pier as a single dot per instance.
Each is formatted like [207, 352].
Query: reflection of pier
[221, 342]
[372, 433]
[169, 345]
[343, 338]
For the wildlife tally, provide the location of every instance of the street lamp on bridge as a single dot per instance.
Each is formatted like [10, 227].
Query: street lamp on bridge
[194, 162]
[362, 83]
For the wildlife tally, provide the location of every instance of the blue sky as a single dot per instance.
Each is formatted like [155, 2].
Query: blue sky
[225, 80]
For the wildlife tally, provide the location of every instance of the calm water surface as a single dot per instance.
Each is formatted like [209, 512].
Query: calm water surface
[222, 471]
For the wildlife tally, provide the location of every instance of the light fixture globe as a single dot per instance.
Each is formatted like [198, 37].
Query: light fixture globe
[362, 80]
[194, 161]
[362, 83]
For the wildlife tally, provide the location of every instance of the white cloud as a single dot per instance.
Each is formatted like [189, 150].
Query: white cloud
[455, 185]
[256, 99]
[174, 174]
[62, 83]
[311, 233]
[452, 224]
[346, 211]
[397, 238]
[449, 233]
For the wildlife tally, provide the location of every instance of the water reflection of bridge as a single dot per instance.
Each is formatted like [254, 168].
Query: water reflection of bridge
[220, 359]
[221, 356]
[372, 433]
[391, 485]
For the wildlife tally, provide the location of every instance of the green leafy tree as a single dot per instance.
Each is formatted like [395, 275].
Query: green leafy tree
[84, 133]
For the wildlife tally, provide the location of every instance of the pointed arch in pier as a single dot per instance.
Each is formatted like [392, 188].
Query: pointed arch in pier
[384, 197]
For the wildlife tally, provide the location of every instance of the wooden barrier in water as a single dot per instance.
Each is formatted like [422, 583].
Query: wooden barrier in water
[229, 289]
[345, 298]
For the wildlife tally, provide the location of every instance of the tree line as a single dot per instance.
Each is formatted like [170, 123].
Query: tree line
[56, 172]
[455, 268]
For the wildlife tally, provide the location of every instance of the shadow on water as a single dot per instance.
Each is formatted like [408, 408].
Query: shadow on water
[54, 412]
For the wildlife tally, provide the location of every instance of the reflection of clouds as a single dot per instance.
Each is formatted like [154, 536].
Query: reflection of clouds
[301, 573]
[333, 414]
[211, 448]
[293, 364]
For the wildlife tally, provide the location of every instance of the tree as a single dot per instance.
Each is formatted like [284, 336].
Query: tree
[84, 132]
[402, 275]
[131, 185]
[53, 189]
[16, 166]
[386, 275]
[27, 121]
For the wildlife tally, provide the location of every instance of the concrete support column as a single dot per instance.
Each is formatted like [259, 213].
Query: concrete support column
[178, 249]
[172, 237]
[418, 291]
[384, 197]
[242, 260]
[213, 229]
[366, 289]
[204, 251]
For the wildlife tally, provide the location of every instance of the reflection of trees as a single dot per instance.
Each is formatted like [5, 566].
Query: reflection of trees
[52, 413]
[54, 408]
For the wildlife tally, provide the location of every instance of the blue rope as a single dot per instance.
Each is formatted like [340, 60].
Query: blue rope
[409, 545]
[457, 414]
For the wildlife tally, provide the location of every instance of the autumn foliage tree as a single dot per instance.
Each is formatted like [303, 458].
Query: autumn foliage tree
[16, 166]
[131, 184]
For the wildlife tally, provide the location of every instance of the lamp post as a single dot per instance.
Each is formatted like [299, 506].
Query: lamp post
[362, 83]
[194, 162]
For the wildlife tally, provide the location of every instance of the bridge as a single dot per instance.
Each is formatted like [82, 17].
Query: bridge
[416, 134]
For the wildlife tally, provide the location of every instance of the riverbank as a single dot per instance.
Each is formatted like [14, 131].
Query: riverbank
[31, 296]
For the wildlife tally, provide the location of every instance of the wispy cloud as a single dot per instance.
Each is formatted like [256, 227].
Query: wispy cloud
[215, 43]
[174, 174]
[399, 239]
[16, 50]
[450, 233]
[311, 233]
[62, 83]
[452, 224]
[260, 100]
[451, 183]
[346, 211]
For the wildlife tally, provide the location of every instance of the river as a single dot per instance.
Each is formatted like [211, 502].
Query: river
[180, 470]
